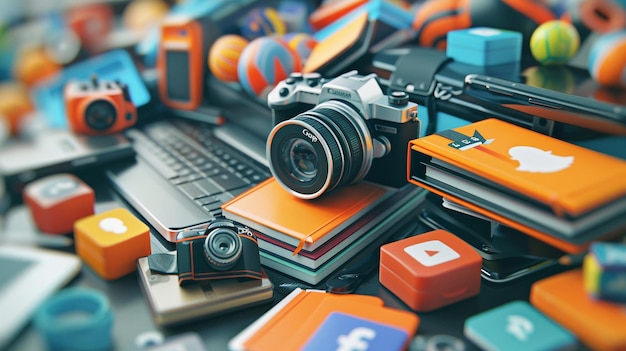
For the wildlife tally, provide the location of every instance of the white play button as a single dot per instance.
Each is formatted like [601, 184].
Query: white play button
[431, 253]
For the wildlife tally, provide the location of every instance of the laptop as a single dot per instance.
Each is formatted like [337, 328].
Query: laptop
[186, 167]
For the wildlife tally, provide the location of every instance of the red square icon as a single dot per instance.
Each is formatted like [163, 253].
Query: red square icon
[57, 201]
[430, 270]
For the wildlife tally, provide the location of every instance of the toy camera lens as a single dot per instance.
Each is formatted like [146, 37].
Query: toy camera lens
[320, 149]
[100, 115]
[222, 248]
[301, 160]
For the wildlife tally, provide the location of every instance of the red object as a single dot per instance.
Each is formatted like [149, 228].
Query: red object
[57, 201]
[91, 22]
[430, 270]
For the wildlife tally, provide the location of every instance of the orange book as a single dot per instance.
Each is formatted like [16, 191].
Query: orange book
[317, 320]
[556, 191]
[271, 210]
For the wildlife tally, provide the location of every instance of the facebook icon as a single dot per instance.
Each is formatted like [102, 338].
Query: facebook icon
[343, 332]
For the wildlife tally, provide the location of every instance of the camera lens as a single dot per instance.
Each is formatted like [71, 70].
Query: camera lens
[320, 149]
[301, 159]
[222, 248]
[100, 115]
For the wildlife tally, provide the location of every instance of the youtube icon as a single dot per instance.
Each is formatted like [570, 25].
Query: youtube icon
[431, 253]
[430, 270]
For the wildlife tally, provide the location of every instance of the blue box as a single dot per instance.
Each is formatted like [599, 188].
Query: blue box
[484, 46]
[604, 271]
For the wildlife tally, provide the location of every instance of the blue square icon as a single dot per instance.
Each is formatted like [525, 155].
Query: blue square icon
[341, 331]
[517, 326]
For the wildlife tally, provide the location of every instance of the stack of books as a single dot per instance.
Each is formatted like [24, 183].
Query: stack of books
[555, 191]
[310, 239]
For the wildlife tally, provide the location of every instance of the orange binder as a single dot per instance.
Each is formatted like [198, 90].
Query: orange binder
[558, 192]
[301, 321]
[271, 210]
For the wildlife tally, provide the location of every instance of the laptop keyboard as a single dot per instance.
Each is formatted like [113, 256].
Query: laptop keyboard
[187, 154]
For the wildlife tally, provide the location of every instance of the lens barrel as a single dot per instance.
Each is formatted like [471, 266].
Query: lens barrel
[320, 149]
[100, 115]
[222, 248]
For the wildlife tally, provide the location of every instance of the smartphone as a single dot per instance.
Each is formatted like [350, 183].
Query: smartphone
[573, 107]
[507, 254]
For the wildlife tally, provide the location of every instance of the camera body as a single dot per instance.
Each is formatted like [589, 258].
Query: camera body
[331, 132]
[224, 250]
[98, 107]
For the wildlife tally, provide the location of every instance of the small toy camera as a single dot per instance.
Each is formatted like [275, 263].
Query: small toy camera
[224, 250]
[98, 107]
[328, 133]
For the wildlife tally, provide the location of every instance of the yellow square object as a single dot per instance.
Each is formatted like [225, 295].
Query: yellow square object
[111, 242]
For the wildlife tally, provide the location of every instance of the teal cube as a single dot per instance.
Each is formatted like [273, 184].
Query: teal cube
[484, 46]
[517, 325]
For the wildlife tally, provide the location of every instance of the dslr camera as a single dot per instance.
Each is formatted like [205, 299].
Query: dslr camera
[332, 132]
[224, 250]
[98, 107]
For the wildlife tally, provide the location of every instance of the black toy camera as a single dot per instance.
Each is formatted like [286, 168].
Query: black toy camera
[224, 250]
[328, 133]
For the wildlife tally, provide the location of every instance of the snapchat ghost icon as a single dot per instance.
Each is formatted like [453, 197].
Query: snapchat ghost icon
[113, 225]
[534, 160]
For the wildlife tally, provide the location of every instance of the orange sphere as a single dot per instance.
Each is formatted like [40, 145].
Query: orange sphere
[33, 65]
[14, 104]
[139, 15]
[224, 57]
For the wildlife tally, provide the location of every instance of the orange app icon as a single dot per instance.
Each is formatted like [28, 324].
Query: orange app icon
[111, 242]
[430, 270]
[600, 325]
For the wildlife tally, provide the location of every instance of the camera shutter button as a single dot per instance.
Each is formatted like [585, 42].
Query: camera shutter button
[398, 98]
[312, 79]
[296, 76]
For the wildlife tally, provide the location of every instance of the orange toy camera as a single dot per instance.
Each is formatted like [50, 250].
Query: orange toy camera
[98, 107]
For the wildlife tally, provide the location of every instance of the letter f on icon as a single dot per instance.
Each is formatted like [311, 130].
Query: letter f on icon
[356, 340]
